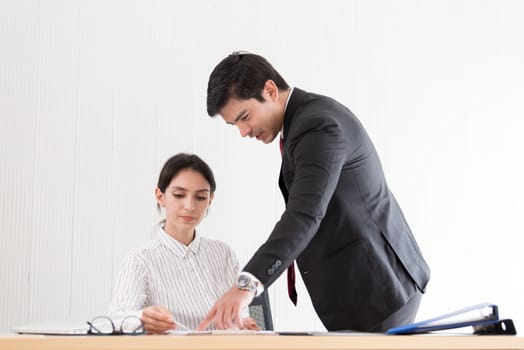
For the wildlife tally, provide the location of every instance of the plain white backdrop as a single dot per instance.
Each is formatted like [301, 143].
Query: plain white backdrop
[96, 95]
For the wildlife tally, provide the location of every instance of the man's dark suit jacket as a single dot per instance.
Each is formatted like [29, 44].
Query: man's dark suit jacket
[355, 251]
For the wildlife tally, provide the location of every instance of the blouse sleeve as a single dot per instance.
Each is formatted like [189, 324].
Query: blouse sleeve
[130, 292]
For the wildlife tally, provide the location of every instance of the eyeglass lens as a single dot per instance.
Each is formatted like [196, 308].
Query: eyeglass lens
[103, 325]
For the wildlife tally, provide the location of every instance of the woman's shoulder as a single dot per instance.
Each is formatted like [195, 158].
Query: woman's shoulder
[144, 249]
[215, 244]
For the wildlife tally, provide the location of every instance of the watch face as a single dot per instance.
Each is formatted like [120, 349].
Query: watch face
[243, 281]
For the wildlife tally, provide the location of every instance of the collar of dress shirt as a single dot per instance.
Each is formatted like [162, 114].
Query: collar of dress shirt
[285, 108]
[176, 247]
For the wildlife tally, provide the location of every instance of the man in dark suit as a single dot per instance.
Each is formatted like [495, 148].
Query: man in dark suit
[355, 251]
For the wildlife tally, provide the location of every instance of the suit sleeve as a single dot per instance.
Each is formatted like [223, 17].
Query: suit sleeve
[317, 153]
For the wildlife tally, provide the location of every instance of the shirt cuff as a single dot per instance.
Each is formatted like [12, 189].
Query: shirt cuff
[260, 286]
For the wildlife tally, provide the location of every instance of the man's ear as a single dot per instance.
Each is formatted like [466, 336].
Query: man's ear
[159, 197]
[271, 89]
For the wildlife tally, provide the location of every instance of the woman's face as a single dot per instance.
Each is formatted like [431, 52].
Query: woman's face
[186, 200]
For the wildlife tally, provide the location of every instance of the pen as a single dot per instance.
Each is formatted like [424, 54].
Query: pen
[184, 327]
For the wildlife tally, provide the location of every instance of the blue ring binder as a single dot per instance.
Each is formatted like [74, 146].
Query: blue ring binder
[484, 318]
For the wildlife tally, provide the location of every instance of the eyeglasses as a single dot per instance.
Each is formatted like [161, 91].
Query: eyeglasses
[103, 325]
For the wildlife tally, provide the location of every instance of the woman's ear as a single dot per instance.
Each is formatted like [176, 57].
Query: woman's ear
[159, 197]
[211, 199]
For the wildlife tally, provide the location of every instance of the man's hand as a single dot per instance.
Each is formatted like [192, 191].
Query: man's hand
[157, 320]
[250, 324]
[226, 313]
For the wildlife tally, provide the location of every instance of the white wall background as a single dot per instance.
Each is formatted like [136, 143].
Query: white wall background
[96, 95]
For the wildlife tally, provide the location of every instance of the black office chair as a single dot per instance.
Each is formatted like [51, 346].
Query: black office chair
[260, 311]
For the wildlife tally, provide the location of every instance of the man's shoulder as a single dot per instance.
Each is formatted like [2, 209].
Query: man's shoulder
[314, 114]
[310, 105]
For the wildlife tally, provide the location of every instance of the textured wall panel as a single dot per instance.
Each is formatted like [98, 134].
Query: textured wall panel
[96, 95]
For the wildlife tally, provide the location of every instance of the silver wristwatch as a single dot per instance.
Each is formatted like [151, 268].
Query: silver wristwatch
[244, 282]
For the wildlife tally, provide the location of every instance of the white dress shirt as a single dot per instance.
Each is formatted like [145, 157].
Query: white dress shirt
[187, 280]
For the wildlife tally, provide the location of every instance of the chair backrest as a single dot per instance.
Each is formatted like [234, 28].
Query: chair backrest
[260, 311]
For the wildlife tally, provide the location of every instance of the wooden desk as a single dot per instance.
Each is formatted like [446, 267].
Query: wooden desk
[260, 342]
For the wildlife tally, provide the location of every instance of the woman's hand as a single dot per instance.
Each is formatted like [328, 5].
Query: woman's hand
[157, 320]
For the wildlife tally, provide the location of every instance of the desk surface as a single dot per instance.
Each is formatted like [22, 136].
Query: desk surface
[260, 342]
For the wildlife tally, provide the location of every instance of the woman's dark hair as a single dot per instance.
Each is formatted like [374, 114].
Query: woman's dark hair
[182, 161]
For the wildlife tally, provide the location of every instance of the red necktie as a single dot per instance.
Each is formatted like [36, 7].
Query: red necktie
[291, 290]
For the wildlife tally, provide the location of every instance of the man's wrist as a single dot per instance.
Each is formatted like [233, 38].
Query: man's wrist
[247, 281]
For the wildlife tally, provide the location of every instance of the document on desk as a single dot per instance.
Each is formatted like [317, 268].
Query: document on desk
[220, 332]
[56, 327]
[279, 333]
[344, 333]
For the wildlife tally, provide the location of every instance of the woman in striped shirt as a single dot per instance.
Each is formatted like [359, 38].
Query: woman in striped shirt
[175, 279]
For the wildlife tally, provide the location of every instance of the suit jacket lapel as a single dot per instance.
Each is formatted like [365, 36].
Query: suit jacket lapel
[296, 100]
[282, 184]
